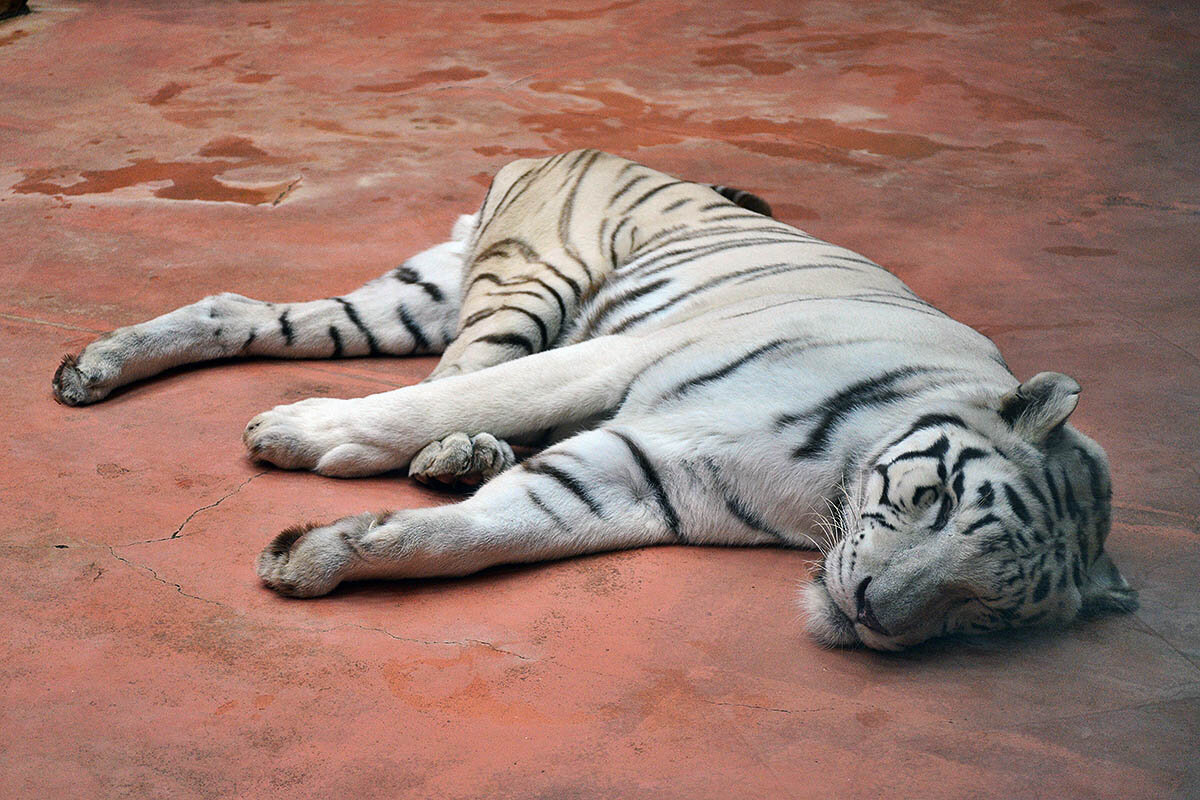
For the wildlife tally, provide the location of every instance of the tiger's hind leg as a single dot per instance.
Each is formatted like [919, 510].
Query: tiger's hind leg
[413, 309]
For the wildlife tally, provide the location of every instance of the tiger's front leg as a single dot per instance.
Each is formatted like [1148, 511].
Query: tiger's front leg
[600, 490]
[381, 432]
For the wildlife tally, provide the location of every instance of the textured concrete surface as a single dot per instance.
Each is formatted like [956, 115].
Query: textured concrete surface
[1029, 166]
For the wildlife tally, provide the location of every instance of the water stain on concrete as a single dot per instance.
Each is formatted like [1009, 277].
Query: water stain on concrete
[766, 26]
[188, 180]
[1079, 252]
[633, 122]
[333, 126]
[425, 78]
[1084, 9]
[514, 152]
[555, 14]
[110, 470]
[911, 82]
[791, 211]
[255, 77]
[166, 92]
[465, 684]
[747, 56]
[848, 42]
[216, 61]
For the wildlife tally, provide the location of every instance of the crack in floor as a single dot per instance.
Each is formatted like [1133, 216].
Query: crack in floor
[767, 708]
[47, 322]
[179, 531]
[305, 629]
[178, 588]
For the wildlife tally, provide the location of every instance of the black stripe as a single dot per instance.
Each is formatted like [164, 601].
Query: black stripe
[285, 327]
[650, 194]
[663, 233]
[965, 455]
[507, 340]
[1035, 491]
[567, 213]
[957, 486]
[568, 481]
[1053, 492]
[936, 450]
[884, 500]
[722, 372]
[516, 292]
[1018, 506]
[1043, 588]
[929, 421]
[615, 302]
[704, 250]
[1093, 469]
[410, 276]
[986, 495]
[879, 519]
[750, 519]
[765, 232]
[745, 275]
[628, 185]
[545, 509]
[420, 340]
[500, 249]
[1073, 509]
[660, 493]
[576, 290]
[986, 519]
[337, 341]
[629, 387]
[943, 515]
[864, 298]
[352, 315]
[677, 204]
[249, 339]
[612, 239]
[874, 391]
[480, 316]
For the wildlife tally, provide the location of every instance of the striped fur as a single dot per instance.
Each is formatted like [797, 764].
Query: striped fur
[696, 372]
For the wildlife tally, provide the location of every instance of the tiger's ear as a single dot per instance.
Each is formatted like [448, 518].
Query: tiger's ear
[1105, 591]
[1039, 405]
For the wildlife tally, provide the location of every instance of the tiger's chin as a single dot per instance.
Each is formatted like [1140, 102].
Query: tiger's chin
[824, 621]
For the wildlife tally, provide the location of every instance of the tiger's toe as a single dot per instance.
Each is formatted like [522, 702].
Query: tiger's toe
[462, 460]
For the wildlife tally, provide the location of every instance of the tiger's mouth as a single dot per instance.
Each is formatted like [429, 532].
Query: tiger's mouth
[824, 618]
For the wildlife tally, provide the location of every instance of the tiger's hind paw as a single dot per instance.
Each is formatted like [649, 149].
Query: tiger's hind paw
[310, 560]
[462, 460]
[74, 386]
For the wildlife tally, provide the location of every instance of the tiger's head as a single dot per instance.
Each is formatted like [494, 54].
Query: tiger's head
[972, 518]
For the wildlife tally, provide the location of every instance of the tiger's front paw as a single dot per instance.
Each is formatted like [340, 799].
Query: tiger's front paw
[316, 434]
[460, 459]
[310, 560]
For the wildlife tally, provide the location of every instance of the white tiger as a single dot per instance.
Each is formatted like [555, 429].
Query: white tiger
[701, 374]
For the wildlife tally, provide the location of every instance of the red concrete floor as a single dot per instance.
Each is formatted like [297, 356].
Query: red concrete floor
[1031, 167]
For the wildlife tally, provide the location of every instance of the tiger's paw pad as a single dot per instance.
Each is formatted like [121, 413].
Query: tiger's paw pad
[309, 560]
[462, 460]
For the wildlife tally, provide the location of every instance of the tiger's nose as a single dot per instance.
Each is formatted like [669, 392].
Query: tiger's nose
[864, 614]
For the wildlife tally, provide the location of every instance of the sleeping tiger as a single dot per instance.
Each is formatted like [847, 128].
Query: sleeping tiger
[689, 370]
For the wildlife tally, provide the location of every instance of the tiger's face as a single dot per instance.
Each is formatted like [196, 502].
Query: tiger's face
[969, 521]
